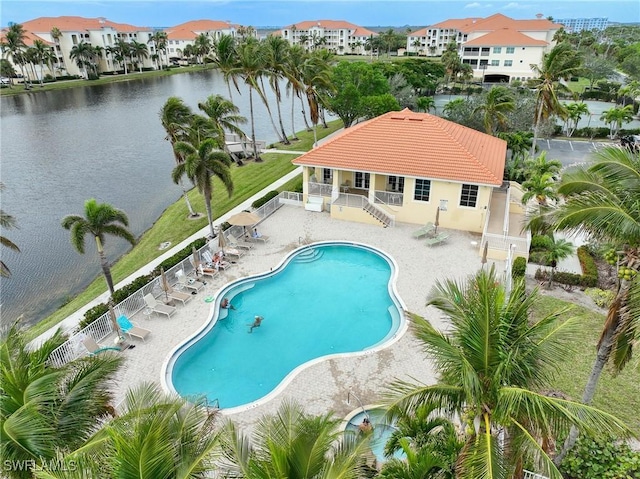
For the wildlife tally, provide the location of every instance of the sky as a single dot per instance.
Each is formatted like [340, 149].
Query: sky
[262, 13]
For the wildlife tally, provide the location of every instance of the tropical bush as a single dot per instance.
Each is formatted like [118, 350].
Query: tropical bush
[570, 279]
[261, 201]
[587, 262]
[519, 267]
[601, 458]
[92, 314]
[602, 297]
[541, 242]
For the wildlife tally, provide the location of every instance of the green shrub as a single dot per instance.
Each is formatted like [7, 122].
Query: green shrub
[602, 297]
[601, 458]
[539, 257]
[94, 313]
[587, 262]
[519, 267]
[570, 279]
[541, 242]
[261, 201]
[119, 295]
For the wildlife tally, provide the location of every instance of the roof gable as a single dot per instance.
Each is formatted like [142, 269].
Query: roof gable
[190, 30]
[505, 37]
[414, 144]
[76, 24]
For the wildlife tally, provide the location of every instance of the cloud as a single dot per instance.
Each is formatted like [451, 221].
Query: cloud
[472, 5]
[515, 6]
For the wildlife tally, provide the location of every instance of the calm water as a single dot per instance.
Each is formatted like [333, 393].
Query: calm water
[60, 148]
[333, 300]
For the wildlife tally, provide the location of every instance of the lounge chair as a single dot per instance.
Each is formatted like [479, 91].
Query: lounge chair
[235, 252]
[437, 239]
[237, 243]
[188, 283]
[426, 230]
[257, 239]
[214, 263]
[131, 329]
[93, 347]
[157, 307]
[178, 295]
[208, 271]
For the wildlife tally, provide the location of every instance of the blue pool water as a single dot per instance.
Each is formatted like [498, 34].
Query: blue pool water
[382, 431]
[327, 299]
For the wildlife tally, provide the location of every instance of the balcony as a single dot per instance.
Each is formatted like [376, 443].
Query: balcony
[320, 189]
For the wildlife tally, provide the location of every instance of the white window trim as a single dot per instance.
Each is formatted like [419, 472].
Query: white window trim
[413, 193]
[460, 197]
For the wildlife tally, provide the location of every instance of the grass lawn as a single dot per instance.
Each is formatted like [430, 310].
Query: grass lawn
[175, 226]
[578, 86]
[616, 395]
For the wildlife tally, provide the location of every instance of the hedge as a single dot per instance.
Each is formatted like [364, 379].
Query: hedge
[519, 267]
[261, 201]
[587, 263]
[541, 242]
[567, 278]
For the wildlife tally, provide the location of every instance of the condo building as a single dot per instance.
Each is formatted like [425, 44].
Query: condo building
[337, 36]
[575, 25]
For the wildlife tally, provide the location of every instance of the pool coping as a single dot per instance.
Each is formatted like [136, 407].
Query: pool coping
[214, 315]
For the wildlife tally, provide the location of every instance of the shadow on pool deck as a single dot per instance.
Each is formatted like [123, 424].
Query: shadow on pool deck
[323, 386]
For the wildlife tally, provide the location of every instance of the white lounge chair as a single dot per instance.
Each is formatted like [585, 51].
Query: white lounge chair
[239, 244]
[157, 307]
[131, 329]
[188, 283]
[178, 295]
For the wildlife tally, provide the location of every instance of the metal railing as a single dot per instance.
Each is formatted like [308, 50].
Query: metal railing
[103, 327]
[320, 189]
[533, 475]
[350, 200]
[389, 198]
[504, 243]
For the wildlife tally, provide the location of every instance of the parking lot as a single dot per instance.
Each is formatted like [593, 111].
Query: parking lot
[571, 152]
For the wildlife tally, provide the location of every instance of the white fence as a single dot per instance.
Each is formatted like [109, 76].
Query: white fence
[320, 189]
[389, 198]
[102, 327]
[533, 475]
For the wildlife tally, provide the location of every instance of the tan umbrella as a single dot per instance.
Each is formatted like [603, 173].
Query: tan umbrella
[244, 219]
[437, 222]
[484, 253]
[196, 259]
[164, 284]
[114, 321]
[222, 242]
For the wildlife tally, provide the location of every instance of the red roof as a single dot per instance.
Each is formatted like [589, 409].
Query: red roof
[414, 144]
[190, 30]
[505, 37]
[76, 24]
[331, 25]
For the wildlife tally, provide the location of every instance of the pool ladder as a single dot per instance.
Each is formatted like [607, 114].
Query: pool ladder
[351, 393]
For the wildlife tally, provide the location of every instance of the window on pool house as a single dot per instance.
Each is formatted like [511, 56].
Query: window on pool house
[327, 176]
[422, 190]
[469, 196]
[362, 180]
[396, 183]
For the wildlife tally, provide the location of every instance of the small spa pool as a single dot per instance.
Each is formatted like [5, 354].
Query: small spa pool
[382, 431]
[323, 299]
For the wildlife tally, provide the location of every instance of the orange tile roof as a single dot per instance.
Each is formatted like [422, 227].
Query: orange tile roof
[505, 37]
[326, 24]
[29, 38]
[75, 24]
[190, 30]
[414, 144]
[363, 32]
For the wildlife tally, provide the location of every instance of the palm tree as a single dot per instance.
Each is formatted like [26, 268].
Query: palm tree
[203, 161]
[540, 166]
[159, 40]
[615, 117]
[426, 103]
[498, 102]
[601, 201]
[82, 53]
[46, 410]
[225, 117]
[541, 187]
[492, 361]
[140, 52]
[14, 46]
[558, 249]
[294, 445]
[7, 222]
[175, 117]
[561, 63]
[276, 59]
[631, 90]
[225, 59]
[41, 51]
[519, 144]
[99, 220]
[202, 46]
[316, 77]
[250, 67]
[417, 464]
[123, 50]
[574, 115]
[293, 72]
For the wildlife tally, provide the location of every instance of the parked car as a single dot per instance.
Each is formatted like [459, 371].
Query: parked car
[5, 81]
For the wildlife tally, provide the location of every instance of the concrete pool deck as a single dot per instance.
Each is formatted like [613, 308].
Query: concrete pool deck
[323, 386]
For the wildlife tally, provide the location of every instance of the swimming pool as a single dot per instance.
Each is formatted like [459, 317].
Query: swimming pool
[382, 431]
[323, 299]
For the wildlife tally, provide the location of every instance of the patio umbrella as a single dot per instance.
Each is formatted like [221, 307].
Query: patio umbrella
[114, 321]
[196, 259]
[164, 284]
[484, 253]
[437, 222]
[244, 219]
[222, 242]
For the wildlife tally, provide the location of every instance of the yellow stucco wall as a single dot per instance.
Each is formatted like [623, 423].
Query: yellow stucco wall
[353, 214]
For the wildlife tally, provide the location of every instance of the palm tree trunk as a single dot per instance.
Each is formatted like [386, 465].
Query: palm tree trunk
[304, 115]
[186, 199]
[41, 74]
[207, 203]
[105, 266]
[293, 125]
[324, 120]
[253, 126]
[273, 123]
[535, 131]
[285, 140]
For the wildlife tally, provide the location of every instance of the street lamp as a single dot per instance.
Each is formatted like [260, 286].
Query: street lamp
[483, 67]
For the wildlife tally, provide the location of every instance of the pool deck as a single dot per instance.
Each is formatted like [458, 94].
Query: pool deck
[323, 386]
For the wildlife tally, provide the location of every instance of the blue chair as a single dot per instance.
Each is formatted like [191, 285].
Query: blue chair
[131, 329]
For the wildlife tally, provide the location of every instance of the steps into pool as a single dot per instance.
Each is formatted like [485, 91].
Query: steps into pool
[308, 255]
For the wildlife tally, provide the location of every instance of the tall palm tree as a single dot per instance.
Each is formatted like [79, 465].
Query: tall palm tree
[175, 117]
[294, 445]
[7, 222]
[225, 59]
[541, 187]
[293, 72]
[250, 67]
[140, 52]
[99, 220]
[561, 63]
[417, 464]
[540, 165]
[276, 52]
[13, 45]
[575, 111]
[426, 104]
[558, 249]
[41, 53]
[615, 117]
[519, 144]
[123, 50]
[630, 90]
[81, 54]
[203, 161]
[601, 201]
[159, 40]
[225, 117]
[316, 77]
[202, 46]
[497, 103]
[492, 362]
[45, 410]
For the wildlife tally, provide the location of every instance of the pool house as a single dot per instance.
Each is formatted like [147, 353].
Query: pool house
[409, 167]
